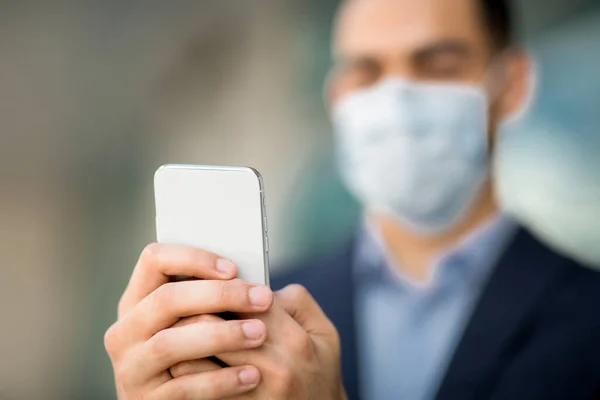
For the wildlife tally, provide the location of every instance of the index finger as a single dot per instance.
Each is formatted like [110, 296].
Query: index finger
[158, 262]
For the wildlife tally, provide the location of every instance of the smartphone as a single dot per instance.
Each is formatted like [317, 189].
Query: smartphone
[216, 208]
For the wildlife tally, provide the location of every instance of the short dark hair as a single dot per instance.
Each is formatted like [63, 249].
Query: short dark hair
[498, 19]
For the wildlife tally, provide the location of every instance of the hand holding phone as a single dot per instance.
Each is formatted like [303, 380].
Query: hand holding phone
[166, 335]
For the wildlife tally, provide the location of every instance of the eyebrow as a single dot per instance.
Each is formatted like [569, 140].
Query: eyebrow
[454, 47]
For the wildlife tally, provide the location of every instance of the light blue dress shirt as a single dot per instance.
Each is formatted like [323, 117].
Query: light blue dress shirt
[407, 333]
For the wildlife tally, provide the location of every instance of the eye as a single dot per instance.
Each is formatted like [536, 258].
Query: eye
[359, 73]
[442, 67]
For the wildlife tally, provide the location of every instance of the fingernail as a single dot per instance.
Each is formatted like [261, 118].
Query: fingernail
[225, 267]
[259, 296]
[253, 330]
[249, 376]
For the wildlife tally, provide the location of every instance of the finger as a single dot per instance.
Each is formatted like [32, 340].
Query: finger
[172, 301]
[195, 319]
[118, 338]
[213, 385]
[293, 323]
[158, 262]
[174, 345]
[282, 331]
[193, 367]
[196, 366]
[303, 308]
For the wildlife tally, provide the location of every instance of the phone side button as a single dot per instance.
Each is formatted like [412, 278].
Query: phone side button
[267, 244]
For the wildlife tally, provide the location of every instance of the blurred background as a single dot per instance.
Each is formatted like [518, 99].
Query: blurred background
[95, 95]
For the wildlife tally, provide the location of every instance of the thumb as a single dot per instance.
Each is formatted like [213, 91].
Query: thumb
[303, 308]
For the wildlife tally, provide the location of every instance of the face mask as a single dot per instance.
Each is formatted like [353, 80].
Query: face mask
[415, 151]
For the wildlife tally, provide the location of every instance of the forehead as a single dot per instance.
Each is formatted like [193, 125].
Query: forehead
[380, 26]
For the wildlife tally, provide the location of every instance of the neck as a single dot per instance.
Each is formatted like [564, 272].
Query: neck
[414, 254]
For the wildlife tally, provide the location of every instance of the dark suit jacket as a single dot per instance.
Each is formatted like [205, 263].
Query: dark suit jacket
[534, 334]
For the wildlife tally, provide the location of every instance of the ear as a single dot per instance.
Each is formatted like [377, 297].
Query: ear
[519, 88]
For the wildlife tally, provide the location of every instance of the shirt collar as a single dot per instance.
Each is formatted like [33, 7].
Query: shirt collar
[469, 261]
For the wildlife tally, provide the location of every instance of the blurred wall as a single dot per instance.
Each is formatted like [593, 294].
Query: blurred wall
[548, 164]
[95, 96]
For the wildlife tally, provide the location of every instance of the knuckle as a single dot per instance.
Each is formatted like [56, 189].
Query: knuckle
[158, 347]
[300, 345]
[237, 284]
[200, 258]
[297, 292]
[336, 342]
[283, 380]
[286, 376]
[222, 337]
[164, 296]
[222, 291]
[235, 334]
[232, 292]
[228, 336]
[222, 383]
[112, 338]
[150, 253]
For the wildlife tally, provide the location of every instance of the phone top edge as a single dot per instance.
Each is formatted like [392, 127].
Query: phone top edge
[233, 168]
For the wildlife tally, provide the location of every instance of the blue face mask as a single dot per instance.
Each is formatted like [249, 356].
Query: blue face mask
[415, 151]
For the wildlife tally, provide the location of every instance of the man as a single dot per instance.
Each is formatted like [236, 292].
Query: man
[438, 297]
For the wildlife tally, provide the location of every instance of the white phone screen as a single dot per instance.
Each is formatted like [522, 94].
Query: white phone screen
[219, 209]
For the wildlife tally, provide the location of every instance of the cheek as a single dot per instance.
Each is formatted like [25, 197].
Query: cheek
[338, 90]
[341, 84]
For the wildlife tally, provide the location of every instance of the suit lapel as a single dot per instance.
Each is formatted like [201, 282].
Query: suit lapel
[339, 306]
[502, 317]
